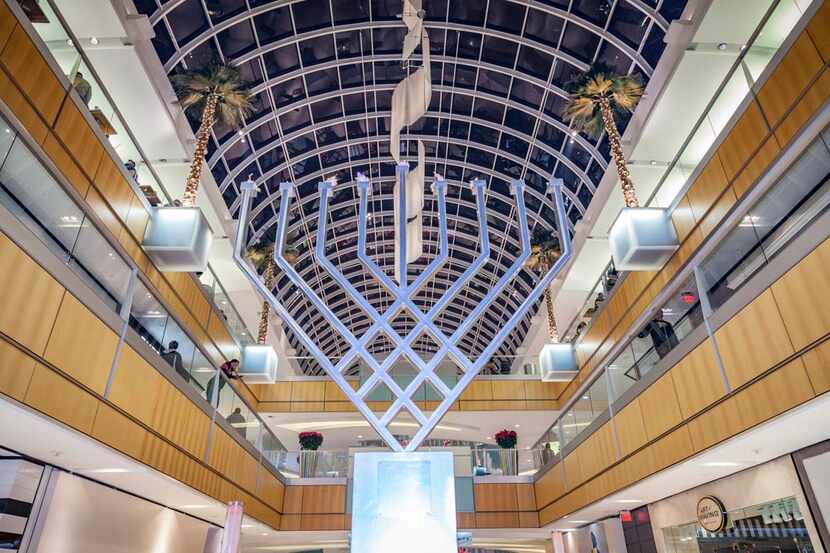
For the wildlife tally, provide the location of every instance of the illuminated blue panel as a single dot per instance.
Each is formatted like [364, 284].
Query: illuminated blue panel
[403, 502]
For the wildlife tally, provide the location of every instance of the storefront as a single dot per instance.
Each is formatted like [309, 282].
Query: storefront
[759, 510]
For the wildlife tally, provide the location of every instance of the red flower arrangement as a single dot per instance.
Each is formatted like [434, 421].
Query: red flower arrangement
[506, 439]
[310, 441]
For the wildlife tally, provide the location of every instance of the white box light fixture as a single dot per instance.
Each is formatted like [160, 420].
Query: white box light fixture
[642, 239]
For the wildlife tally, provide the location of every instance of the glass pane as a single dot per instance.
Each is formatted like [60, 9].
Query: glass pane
[148, 317]
[97, 262]
[178, 349]
[37, 199]
[622, 372]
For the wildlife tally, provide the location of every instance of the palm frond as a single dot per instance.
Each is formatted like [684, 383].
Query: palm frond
[259, 254]
[220, 80]
[597, 83]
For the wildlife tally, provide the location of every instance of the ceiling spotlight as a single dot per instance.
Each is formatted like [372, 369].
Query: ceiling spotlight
[652, 162]
[722, 46]
[516, 426]
[359, 437]
[241, 132]
[93, 40]
[69, 42]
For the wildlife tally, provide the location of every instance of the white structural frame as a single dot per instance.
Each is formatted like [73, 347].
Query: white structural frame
[403, 293]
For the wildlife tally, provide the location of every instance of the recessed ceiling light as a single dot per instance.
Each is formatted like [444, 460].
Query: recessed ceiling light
[721, 464]
[578, 521]
[359, 437]
[722, 46]
[516, 425]
[93, 40]
[630, 501]
[194, 506]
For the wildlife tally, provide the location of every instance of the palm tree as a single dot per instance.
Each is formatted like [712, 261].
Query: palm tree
[544, 248]
[596, 98]
[219, 92]
[262, 256]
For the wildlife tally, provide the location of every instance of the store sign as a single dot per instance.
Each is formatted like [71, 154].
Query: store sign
[711, 514]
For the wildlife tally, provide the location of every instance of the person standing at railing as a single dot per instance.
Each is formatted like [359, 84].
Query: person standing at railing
[237, 420]
[174, 359]
[662, 334]
[82, 87]
[231, 370]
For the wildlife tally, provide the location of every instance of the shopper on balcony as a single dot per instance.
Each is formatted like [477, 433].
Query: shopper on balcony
[237, 420]
[231, 370]
[82, 87]
[174, 359]
[662, 334]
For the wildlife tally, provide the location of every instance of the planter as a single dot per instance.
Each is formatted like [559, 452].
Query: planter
[642, 239]
[308, 463]
[259, 364]
[557, 362]
[509, 461]
[178, 239]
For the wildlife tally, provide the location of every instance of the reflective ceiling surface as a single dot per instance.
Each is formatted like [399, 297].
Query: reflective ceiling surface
[323, 72]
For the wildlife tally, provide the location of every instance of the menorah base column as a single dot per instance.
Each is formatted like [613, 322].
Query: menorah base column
[404, 502]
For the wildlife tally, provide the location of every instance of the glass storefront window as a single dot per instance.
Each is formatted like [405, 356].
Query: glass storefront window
[774, 527]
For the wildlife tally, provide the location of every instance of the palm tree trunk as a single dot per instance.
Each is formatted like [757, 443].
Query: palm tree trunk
[554, 333]
[262, 334]
[194, 178]
[613, 133]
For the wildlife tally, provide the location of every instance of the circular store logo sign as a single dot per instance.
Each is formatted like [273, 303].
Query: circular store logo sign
[711, 514]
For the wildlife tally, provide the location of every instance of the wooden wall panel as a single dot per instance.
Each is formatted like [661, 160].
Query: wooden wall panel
[819, 30]
[322, 522]
[136, 386]
[672, 448]
[81, 345]
[67, 166]
[180, 421]
[113, 186]
[794, 72]
[31, 298]
[529, 519]
[757, 166]
[7, 24]
[270, 489]
[715, 425]
[746, 136]
[308, 391]
[508, 390]
[697, 380]
[80, 140]
[495, 497]
[102, 210]
[32, 74]
[718, 211]
[59, 398]
[807, 105]
[631, 431]
[660, 407]
[525, 497]
[118, 431]
[683, 219]
[16, 369]
[550, 486]
[753, 340]
[497, 520]
[465, 521]
[707, 187]
[478, 390]
[796, 292]
[782, 390]
[324, 499]
[218, 332]
[817, 363]
[24, 111]
[293, 500]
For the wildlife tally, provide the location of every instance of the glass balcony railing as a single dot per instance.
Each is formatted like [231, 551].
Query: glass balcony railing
[483, 462]
[793, 203]
[35, 197]
[68, 53]
[750, 63]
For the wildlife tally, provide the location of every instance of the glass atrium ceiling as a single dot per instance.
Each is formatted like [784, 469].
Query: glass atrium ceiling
[323, 72]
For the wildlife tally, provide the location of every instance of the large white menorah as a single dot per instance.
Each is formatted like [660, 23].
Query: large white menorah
[403, 293]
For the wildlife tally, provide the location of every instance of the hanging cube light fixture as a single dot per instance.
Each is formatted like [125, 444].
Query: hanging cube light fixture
[178, 239]
[642, 239]
[558, 362]
[258, 364]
